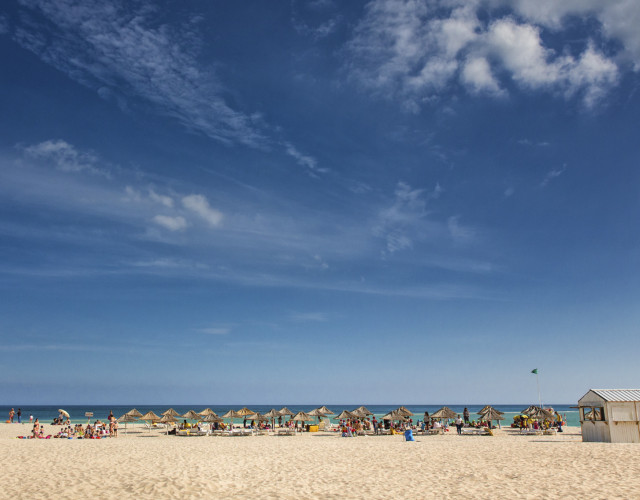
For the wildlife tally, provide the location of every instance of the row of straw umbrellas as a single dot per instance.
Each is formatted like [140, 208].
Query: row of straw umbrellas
[488, 413]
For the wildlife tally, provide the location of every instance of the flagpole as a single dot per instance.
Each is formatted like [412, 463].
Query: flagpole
[538, 383]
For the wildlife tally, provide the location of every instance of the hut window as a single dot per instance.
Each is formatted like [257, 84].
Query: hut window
[593, 413]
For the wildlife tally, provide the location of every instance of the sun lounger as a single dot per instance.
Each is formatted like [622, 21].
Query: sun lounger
[473, 431]
[286, 432]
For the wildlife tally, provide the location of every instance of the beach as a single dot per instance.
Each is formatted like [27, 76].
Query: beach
[145, 464]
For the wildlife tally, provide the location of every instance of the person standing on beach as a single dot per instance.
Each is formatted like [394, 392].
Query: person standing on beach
[459, 424]
[19, 415]
[11, 414]
[30, 419]
[465, 414]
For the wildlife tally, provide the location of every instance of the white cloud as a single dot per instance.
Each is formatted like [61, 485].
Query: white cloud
[477, 76]
[458, 232]
[4, 25]
[176, 223]
[552, 174]
[167, 201]
[303, 160]
[64, 156]
[199, 205]
[418, 50]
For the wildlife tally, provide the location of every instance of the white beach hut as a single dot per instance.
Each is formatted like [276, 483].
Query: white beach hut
[610, 415]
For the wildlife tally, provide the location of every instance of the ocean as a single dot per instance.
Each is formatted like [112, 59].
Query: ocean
[46, 414]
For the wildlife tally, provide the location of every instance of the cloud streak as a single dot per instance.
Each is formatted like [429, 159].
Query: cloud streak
[119, 49]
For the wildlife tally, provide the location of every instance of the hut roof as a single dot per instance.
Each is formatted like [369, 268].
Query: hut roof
[623, 395]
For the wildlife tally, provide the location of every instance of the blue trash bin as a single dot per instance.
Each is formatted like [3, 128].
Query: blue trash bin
[408, 435]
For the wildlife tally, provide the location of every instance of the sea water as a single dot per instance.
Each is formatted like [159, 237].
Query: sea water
[46, 414]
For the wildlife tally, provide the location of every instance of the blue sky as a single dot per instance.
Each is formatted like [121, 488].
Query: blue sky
[394, 201]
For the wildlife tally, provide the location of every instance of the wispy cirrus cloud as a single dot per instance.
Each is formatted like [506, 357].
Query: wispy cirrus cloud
[121, 50]
[215, 330]
[417, 50]
[552, 174]
[64, 156]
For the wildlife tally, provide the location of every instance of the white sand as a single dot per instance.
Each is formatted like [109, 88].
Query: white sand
[150, 465]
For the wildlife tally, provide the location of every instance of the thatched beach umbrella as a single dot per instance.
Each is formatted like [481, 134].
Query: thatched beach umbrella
[444, 413]
[258, 416]
[272, 414]
[531, 409]
[358, 413]
[171, 412]
[406, 412]
[284, 411]
[231, 414]
[317, 413]
[166, 419]
[128, 418]
[192, 415]
[345, 414]
[302, 417]
[394, 415]
[134, 413]
[490, 414]
[541, 414]
[245, 411]
[206, 412]
[150, 417]
[327, 411]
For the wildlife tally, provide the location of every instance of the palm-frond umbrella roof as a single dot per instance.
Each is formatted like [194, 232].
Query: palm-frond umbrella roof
[150, 416]
[302, 417]
[128, 418]
[325, 410]
[317, 413]
[364, 410]
[394, 415]
[212, 418]
[406, 412]
[444, 412]
[344, 414]
[285, 411]
[206, 412]
[541, 413]
[171, 412]
[134, 413]
[191, 415]
[231, 414]
[258, 416]
[489, 407]
[245, 411]
[167, 419]
[358, 413]
[272, 413]
[531, 409]
[491, 414]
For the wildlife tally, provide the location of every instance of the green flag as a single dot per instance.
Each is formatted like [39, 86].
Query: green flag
[535, 370]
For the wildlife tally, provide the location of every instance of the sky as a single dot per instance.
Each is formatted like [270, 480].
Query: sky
[372, 202]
